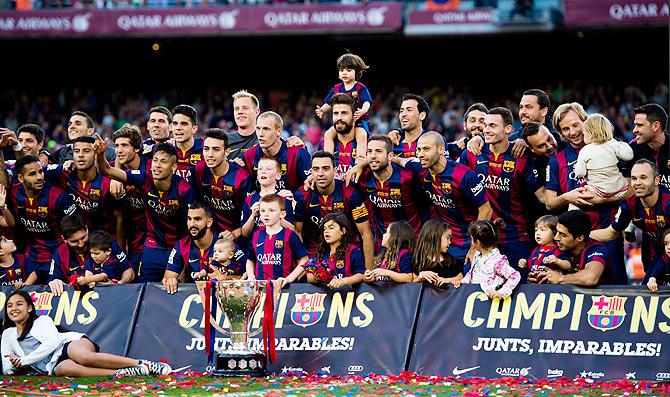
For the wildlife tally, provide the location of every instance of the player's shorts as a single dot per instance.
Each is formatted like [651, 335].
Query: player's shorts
[365, 124]
[152, 267]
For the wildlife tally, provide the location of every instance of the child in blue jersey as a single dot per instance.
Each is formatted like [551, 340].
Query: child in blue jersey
[395, 261]
[102, 266]
[546, 254]
[337, 254]
[275, 253]
[432, 263]
[659, 274]
[12, 266]
[351, 68]
[221, 266]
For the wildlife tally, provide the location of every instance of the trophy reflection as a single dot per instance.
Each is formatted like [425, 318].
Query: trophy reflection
[239, 300]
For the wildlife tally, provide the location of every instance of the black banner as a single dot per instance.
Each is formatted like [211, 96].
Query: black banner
[544, 332]
[106, 313]
[351, 330]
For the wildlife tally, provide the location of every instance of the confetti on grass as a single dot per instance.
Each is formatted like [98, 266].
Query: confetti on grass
[193, 383]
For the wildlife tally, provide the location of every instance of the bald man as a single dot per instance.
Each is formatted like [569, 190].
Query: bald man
[457, 194]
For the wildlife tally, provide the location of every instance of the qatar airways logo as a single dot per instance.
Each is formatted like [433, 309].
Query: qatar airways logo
[224, 20]
[375, 16]
[646, 10]
[78, 23]
[495, 182]
[219, 204]
[442, 201]
[269, 259]
[385, 203]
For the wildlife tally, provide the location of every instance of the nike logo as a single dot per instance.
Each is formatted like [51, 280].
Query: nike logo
[193, 260]
[74, 268]
[258, 245]
[152, 195]
[571, 163]
[205, 184]
[457, 371]
[482, 162]
[314, 205]
[637, 219]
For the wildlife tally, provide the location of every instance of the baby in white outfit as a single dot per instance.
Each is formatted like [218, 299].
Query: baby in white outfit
[598, 160]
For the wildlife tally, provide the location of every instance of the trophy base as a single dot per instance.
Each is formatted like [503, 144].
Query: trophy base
[239, 363]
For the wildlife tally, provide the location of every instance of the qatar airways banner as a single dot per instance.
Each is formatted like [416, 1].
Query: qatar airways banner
[580, 13]
[371, 17]
[477, 20]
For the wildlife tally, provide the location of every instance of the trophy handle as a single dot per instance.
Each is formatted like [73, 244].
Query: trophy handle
[216, 326]
[201, 285]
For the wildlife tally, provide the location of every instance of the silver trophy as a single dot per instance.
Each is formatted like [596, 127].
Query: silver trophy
[238, 300]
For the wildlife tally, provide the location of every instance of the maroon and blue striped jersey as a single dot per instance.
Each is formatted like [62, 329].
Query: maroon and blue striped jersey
[94, 201]
[660, 157]
[39, 217]
[311, 207]
[651, 221]
[359, 92]
[275, 255]
[252, 199]
[67, 263]
[596, 252]
[345, 156]
[113, 267]
[188, 159]
[135, 212]
[508, 181]
[165, 211]
[540, 253]
[352, 263]
[16, 272]
[186, 255]
[225, 194]
[396, 199]
[456, 194]
[295, 165]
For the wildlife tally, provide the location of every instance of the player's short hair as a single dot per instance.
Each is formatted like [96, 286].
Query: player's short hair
[273, 159]
[274, 198]
[343, 99]
[322, 154]
[201, 206]
[651, 164]
[422, 106]
[89, 120]
[278, 122]
[133, 133]
[600, 128]
[246, 94]
[383, 138]
[100, 239]
[475, 106]
[165, 148]
[71, 224]
[563, 109]
[654, 112]
[576, 222]
[83, 139]
[352, 61]
[21, 163]
[162, 109]
[34, 130]
[506, 115]
[217, 133]
[530, 129]
[188, 111]
[549, 221]
[542, 97]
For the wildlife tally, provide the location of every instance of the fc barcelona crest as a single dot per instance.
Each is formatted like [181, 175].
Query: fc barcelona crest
[279, 244]
[607, 312]
[340, 264]
[227, 190]
[339, 206]
[508, 166]
[446, 187]
[43, 211]
[173, 204]
[94, 194]
[195, 158]
[660, 220]
[308, 309]
[395, 193]
[42, 301]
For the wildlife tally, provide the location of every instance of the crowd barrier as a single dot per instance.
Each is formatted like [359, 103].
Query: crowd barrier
[541, 331]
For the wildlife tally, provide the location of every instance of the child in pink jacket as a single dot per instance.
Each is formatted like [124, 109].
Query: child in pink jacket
[488, 267]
